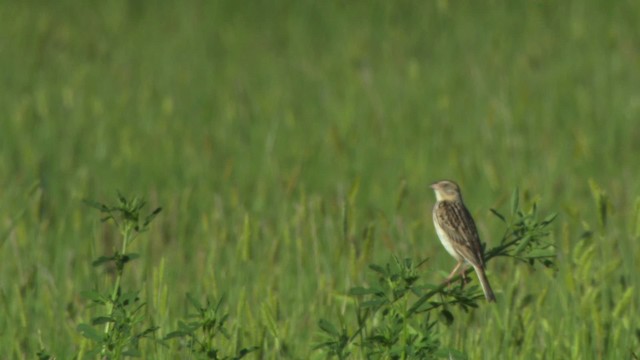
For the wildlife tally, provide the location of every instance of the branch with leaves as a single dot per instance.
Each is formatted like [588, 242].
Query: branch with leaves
[396, 315]
[198, 334]
[119, 337]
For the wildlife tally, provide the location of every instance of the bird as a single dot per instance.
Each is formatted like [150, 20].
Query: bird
[458, 234]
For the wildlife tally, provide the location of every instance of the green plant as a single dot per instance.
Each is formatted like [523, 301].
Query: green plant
[123, 316]
[203, 327]
[524, 237]
[396, 315]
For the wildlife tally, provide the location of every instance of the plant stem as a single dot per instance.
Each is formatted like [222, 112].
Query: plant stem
[126, 232]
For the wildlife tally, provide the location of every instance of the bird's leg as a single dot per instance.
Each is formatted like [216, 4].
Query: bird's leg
[453, 273]
[463, 274]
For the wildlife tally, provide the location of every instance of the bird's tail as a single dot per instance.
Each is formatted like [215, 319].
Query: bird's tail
[484, 282]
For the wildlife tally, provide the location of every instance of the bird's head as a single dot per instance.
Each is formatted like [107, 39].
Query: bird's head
[446, 190]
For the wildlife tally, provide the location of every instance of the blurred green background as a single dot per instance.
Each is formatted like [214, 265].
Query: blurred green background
[257, 126]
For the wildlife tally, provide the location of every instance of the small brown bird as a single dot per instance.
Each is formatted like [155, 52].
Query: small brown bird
[457, 232]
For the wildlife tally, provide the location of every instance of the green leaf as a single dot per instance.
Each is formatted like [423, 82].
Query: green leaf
[328, 327]
[446, 317]
[515, 198]
[196, 304]
[101, 260]
[500, 216]
[378, 269]
[523, 244]
[90, 333]
[151, 216]
[223, 298]
[96, 205]
[148, 331]
[549, 219]
[243, 352]
[128, 298]
[43, 355]
[358, 290]
[107, 218]
[93, 353]
[93, 296]
[374, 303]
[418, 290]
[189, 327]
[122, 199]
[101, 320]
[128, 257]
[541, 253]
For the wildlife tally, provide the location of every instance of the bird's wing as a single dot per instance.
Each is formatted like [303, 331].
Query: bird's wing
[456, 221]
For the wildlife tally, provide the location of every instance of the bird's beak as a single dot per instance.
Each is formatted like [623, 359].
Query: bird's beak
[433, 186]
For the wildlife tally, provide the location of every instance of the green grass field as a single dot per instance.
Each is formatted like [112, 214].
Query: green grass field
[291, 144]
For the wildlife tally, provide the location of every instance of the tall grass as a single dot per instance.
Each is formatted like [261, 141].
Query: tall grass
[290, 145]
